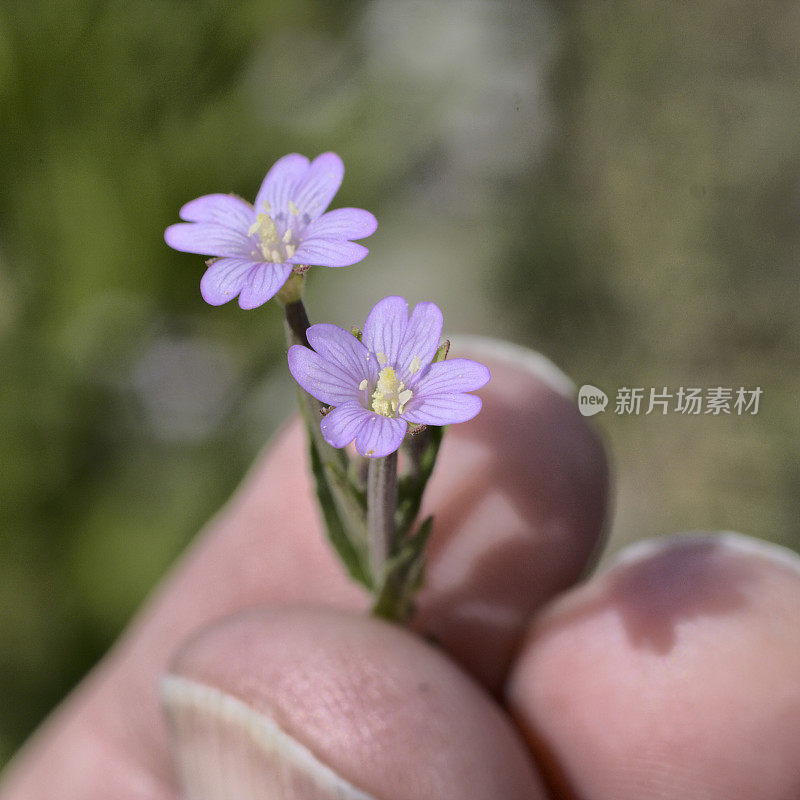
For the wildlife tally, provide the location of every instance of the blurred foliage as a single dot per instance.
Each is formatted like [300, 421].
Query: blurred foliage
[615, 183]
[666, 221]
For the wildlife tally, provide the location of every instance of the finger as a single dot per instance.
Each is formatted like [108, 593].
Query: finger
[519, 499]
[318, 705]
[672, 675]
[258, 550]
[523, 529]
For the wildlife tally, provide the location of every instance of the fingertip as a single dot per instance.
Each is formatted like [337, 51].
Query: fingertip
[655, 678]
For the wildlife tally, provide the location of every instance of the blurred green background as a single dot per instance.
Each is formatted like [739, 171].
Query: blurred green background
[614, 183]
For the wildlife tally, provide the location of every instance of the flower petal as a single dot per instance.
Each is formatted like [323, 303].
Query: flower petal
[264, 282]
[342, 425]
[452, 376]
[420, 341]
[278, 187]
[439, 397]
[226, 278]
[442, 409]
[342, 223]
[340, 347]
[209, 239]
[222, 209]
[314, 191]
[380, 436]
[322, 379]
[328, 253]
[385, 327]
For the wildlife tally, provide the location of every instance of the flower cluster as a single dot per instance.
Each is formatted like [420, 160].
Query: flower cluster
[377, 385]
[257, 248]
[387, 380]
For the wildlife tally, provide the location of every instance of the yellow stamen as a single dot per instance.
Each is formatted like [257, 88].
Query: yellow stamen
[265, 228]
[363, 385]
[390, 395]
[415, 366]
[293, 209]
[274, 248]
[382, 358]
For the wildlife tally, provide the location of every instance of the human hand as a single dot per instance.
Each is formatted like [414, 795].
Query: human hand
[671, 675]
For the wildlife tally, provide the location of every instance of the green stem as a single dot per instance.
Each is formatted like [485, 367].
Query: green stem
[374, 543]
[381, 507]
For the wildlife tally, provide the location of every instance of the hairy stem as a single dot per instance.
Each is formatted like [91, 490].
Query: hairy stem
[381, 506]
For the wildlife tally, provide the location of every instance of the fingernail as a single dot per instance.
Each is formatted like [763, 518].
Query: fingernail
[225, 750]
[733, 541]
[516, 355]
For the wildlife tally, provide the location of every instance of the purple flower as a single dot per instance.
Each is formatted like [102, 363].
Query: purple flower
[387, 380]
[257, 248]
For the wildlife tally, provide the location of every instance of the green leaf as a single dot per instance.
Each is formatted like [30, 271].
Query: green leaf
[421, 451]
[351, 501]
[348, 551]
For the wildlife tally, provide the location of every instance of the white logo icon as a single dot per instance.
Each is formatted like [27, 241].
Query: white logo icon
[591, 400]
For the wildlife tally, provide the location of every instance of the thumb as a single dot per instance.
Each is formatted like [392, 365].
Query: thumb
[314, 705]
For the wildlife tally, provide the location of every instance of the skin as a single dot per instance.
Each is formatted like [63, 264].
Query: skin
[670, 675]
